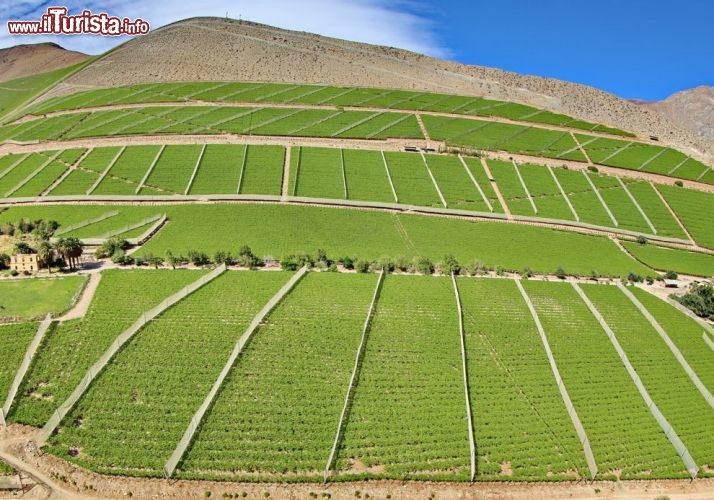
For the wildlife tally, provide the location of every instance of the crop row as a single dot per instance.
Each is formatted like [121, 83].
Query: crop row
[312, 94]
[136, 412]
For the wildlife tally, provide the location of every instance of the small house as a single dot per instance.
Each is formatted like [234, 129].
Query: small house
[22, 262]
[671, 283]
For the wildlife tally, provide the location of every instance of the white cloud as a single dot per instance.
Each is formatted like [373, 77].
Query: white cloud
[373, 21]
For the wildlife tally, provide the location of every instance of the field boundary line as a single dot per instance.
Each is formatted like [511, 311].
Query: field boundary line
[433, 180]
[310, 92]
[66, 173]
[197, 419]
[195, 170]
[285, 185]
[150, 169]
[616, 152]
[637, 205]
[106, 170]
[525, 187]
[666, 427]
[423, 128]
[602, 200]
[562, 191]
[389, 177]
[129, 227]
[355, 376]
[673, 213]
[316, 122]
[287, 88]
[25, 366]
[357, 123]
[85, 223]
[297, 171]
[647, 162]
[148, 116]
[579, 146]
[464, 367]
[387, 126]
[272, 120]
[496, 189]
[676, 167]
[96, 369]
[15, 164]
[671, 345]
[707, 169]
[575, 419]
[344, 175]
[242, 168]
[476, 184]
[32, 175]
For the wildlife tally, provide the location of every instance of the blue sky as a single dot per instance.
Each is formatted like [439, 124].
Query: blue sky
[633, 48]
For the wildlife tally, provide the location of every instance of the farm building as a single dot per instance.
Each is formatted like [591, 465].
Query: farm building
[24, 262]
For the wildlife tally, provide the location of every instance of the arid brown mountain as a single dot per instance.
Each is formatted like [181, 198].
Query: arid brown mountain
[25, 60]
[693, 110]
[223, 49]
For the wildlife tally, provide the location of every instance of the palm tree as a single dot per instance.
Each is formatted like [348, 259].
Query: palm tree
[45, 254]
[73, 247]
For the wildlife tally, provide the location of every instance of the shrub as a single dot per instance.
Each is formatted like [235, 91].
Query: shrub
[634, 278]
[679, 183]
[385, 264]
[593, 168]
[198, 258]
[402, 264]
[293, 262]
[475, 268]
[594, 275]
[423, 265]
[560, 273]
[347, 262]
[362, 266]
[671, 275]
[109, 247]
[527, 272]
[449, 265]
[641, 240]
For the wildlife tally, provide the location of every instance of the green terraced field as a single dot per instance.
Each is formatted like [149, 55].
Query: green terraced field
[694, 209]
[281, 230]
[171, 350]
[665, 379]
[408, 415]
[669, 259]
[520, 419]
[311, 94]
[260, 422]
[14, 338]
[36, 297]
[72, 347]
[623, 434]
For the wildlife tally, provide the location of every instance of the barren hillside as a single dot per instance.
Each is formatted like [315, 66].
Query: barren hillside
[25, 60]
[221, 49]
[692, 110]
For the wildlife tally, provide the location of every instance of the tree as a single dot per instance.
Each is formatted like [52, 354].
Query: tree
[560, 273]
[70, 249]
[45, 254]
[171, 259]
[22, 247]
[699, 299]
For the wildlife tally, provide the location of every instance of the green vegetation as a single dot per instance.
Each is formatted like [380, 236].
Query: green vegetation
[144, 395]
[34, 298]
[21, 90]
[694, 209]
[699, 299]
[665, 379]
[280, 230]
[408, 415]
[311, 94]
[623, 433]
[74, 346]
[279, 408]
[670, 259]
[520, 420]
[684, 331]
[6, 470]
[14, 338]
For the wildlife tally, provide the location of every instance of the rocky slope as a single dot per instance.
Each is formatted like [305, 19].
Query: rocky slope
[222, 49]
[693, 110]
[25, 60]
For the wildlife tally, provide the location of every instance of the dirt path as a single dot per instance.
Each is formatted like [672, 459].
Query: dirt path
[82, 306]
[422, 126]
[581, 148]
[496, 190]
[284, 192]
